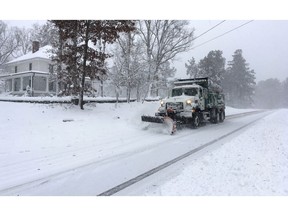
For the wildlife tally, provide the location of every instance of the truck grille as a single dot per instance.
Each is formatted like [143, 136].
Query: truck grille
[175, 106]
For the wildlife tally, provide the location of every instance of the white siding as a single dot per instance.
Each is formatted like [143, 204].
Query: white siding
[37, 65]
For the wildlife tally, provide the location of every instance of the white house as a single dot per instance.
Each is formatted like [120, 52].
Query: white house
[30, 73]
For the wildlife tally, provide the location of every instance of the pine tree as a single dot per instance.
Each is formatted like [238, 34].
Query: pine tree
[213, 67]
[268, 94]
[239, 82]
[285, 93]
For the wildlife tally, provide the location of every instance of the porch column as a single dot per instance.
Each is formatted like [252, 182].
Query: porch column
[47, 85]
[21, 84]
[13, 89]
[32, 84]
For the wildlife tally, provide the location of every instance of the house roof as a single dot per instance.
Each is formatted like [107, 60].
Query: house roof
[43, 52]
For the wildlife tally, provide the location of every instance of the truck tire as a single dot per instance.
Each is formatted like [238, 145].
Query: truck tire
[222, 116]
[195, 121]
[215, 116]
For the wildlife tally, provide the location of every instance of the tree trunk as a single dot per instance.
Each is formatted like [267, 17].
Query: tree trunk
[81, 96]
[117, 96]
[101, 88]
[128, 93]
[138, 92]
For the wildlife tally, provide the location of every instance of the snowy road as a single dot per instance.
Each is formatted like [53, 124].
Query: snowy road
[103, 161]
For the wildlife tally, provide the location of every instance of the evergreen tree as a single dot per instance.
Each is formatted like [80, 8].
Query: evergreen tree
[285, 93]
[268, 94]
[239, 82]
[80, 49]
[213, 67]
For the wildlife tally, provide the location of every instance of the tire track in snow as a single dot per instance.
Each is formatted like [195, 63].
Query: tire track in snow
[42, 179]
[175, 160]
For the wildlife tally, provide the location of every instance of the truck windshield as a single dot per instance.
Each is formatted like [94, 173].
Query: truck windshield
[177, 92]
[190, 91]
[185, 91]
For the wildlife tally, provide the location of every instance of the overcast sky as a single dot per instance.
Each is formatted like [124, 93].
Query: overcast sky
[264, 41]
[264, 45]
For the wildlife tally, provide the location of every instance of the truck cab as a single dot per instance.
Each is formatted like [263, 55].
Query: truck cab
[192, 102]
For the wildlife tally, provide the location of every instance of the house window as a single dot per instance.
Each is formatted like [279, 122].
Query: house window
[39, 83]
[16, 69]
[26, 82]
[8, 86]
[17, 84]
[30, 66]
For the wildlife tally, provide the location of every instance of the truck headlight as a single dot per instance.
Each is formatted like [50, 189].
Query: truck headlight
[189, 102]
[162, 103]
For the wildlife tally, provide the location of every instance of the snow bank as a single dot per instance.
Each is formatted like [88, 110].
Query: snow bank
[232, 111]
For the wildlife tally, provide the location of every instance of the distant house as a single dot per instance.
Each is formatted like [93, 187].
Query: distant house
[30, 73]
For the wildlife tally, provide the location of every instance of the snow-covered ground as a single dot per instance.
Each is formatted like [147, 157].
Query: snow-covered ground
[35, 143]
[252, 163]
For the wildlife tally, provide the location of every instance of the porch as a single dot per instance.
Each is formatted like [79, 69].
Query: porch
[30, 83]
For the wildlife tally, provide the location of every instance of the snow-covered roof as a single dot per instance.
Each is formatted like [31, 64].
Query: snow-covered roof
[43, 52]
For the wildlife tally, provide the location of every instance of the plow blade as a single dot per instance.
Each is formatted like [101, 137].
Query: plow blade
[168, 122]
[153, 119]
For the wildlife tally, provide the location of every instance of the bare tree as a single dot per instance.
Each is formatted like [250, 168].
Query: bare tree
[45, 34]
[25, 41]
[192, 68]
[128, 63]
[164, 40]
[9, 42]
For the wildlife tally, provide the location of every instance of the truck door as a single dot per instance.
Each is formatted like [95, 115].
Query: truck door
[201, 99]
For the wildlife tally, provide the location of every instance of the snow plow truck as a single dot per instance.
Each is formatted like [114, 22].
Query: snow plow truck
[192, 102]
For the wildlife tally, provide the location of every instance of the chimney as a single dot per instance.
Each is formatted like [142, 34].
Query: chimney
[35, 46]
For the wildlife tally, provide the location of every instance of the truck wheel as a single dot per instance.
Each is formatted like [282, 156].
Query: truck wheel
[222, 116]
[216, 118]
[195, 121]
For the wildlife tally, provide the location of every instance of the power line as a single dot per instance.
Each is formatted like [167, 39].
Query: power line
[223, 34]
[209, 30]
